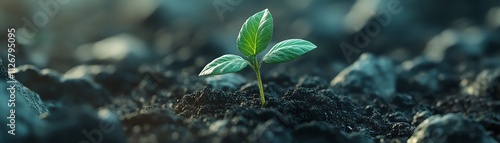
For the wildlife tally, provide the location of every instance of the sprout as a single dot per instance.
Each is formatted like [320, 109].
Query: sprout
[254, 37]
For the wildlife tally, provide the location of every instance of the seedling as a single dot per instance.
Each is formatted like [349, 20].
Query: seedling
[254, 37]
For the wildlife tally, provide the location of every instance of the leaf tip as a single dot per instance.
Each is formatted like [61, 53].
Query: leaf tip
[202, 73]
[314, 46]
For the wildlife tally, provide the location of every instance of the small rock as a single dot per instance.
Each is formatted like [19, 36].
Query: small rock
[450, 128]
[418, 74]
[84, 91]
[419, 117]
[21, 92]
[487, 83]
[462, 41]
[107, 76]
[128, 51]
[45, 82]
[82, 71]
[226, 82]
[27, 110]
[425, 76]
[368, 74]
[218, 125]
[75, 86]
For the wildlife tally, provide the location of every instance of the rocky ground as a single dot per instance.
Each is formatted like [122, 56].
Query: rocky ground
[372, 100]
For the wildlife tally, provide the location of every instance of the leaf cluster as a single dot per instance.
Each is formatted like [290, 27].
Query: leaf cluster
[253, 38]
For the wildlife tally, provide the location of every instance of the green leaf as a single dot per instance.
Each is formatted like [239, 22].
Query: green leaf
[288, 50]
[224, 64]
[255, 34]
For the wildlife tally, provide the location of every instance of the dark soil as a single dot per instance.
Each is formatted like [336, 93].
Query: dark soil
[162, 107]
[296, 113]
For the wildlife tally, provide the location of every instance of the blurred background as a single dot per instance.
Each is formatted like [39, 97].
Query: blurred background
[136, 56]
[183, 36]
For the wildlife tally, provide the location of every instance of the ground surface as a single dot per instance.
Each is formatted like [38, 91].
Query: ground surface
[152, 105]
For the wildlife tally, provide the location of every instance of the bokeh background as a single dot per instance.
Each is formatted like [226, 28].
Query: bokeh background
[185, 35]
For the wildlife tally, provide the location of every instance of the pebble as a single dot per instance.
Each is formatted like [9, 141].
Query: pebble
[419, 74]
[45, 82]
[84, 91]
[450, 128]
[461, 41]
[369, 75]
[76, 86]
[419, 117]
[487, 83]
[27, 110]
[107, 76]
[128, 51]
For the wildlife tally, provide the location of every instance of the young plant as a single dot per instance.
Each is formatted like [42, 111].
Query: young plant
[254, 37]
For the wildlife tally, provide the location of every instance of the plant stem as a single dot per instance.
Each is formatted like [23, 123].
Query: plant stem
[259, 81]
